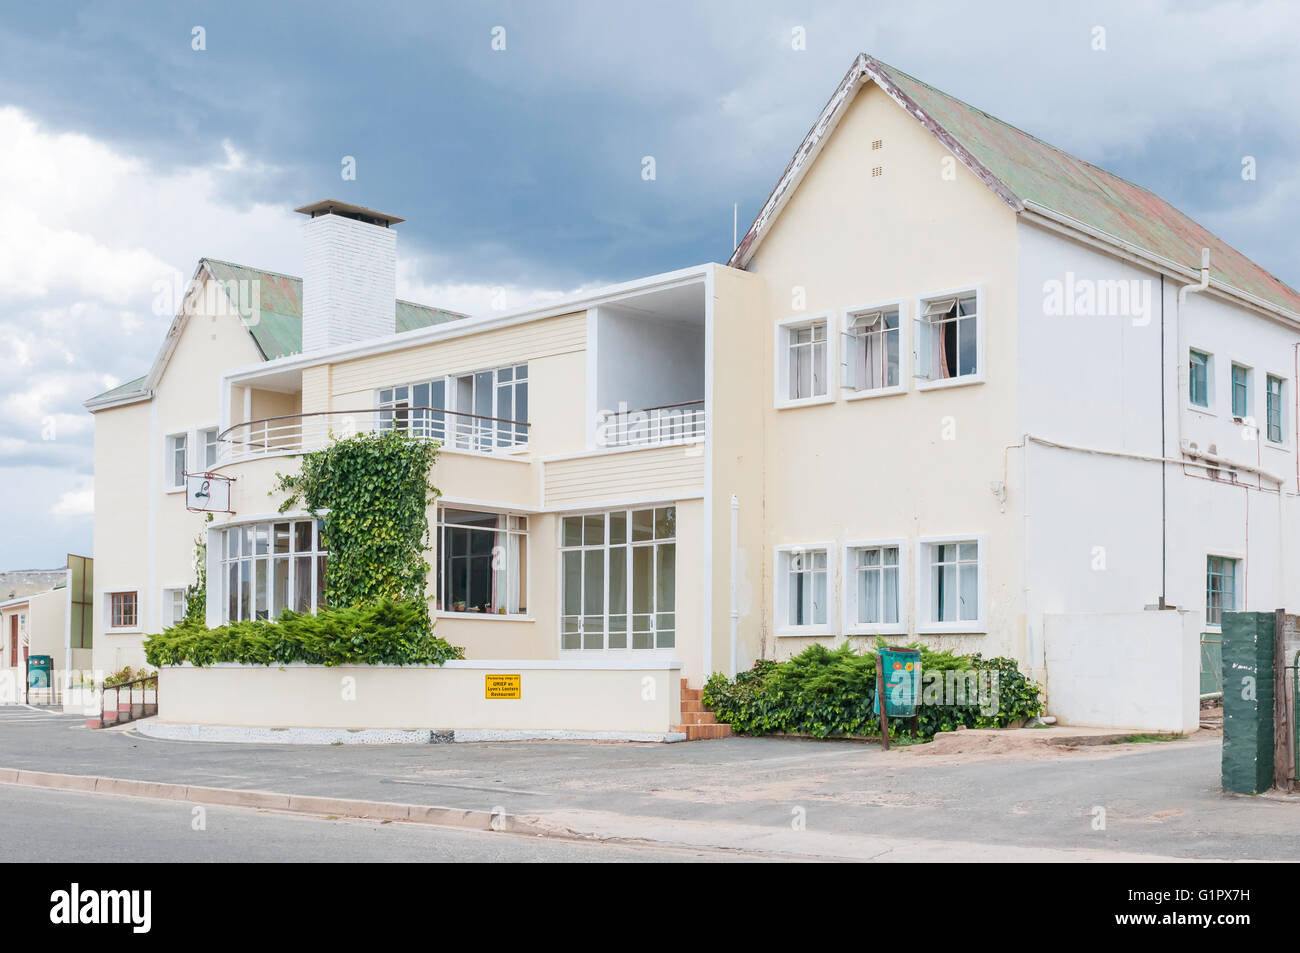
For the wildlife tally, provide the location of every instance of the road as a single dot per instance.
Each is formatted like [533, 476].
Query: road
[45, 826]
[815, 799]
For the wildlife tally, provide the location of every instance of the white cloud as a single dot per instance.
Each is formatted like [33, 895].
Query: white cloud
[78, 502]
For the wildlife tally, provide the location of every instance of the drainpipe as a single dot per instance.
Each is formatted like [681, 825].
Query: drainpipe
[735, 610]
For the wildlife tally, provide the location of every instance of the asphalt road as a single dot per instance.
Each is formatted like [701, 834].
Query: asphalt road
[1156, 799]
[61, 826]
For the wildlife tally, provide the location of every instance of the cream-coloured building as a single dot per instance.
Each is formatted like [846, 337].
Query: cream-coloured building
[954, 385]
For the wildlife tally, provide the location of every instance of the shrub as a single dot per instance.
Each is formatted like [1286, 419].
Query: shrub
[825, 692]
[129, 674]
[383, 632]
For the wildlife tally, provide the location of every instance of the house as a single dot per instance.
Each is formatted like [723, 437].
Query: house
[51, 623]
[955, 385]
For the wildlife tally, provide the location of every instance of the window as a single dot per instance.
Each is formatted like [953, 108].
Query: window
[123, 610]
[208, 447]
[478, 411]
[873, 587]
[174, 464]
[1273, 410]
[947, 337]
[619, 579]
[950, 596]
[871, 351]
[1240, 391]
[802, 360]
[1198, 378]
[1220, 588]
[269, 567]
[803, 590]
[482, 562]
[173, 606]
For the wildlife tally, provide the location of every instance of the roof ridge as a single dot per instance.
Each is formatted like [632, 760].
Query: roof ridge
[1028, 135]
[265, 271]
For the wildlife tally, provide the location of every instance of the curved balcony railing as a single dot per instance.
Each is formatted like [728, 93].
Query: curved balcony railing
[298, 433]
[652, 426]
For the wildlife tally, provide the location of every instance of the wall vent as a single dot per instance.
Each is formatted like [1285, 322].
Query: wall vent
[877, 144]
[877, 171]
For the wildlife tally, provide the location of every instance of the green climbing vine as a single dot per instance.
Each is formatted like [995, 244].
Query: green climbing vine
[373, 493]
[196, 596]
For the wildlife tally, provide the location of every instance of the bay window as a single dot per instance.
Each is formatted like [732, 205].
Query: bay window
[267, 568]
[619, 580]
[482, 562]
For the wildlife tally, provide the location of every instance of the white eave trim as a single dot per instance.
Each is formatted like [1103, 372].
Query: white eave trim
[468, 326]
[94, 405]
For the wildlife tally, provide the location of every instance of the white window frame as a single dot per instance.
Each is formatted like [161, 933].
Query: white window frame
[167, 605]
[981, 350]
[472, 439]
[922, 564]
[849, 341]
[849, 575]
[224, 558]
[604, 547]
[780, 602]
[1210, 364]
[169, 460]
[1238, 577]
[781, 360]
[201, 447]
[1284, 422]
[112, 629]
[525, 564]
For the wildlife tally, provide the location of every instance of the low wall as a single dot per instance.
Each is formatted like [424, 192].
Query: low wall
[554, 696]
[1124, 669]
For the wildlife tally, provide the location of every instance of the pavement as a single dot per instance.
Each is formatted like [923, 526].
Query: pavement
[775, 797]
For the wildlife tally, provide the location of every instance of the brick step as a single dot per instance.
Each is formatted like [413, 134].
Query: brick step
[703, 732]
[692, 705]
[699, 718]
[692, 694]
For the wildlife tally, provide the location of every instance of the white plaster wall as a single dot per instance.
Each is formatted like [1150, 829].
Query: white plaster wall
[1125, 670]
[555, 697]
[647, 362]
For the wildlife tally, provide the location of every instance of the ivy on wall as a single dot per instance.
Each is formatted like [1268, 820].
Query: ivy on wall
[373, 492]
[196, 596]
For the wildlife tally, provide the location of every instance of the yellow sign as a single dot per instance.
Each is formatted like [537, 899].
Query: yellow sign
[502, 686]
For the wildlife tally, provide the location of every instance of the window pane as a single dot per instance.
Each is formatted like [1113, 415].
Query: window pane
[666, 523]
[890, 609]
[618, 527]
[593, 529]
[966, 346]
[232, 593]
[642, 579]
[593, 582]
[944, 605]
[302, 577]
[281, 534]
[569, 635]
[969, 610]
[618, 598]
[573, 583]
[322, 563]
[260, 592]
[573, 531]
[868, 595]
[245, 589]
[280, 589]
[666, 578]
[302, 537]
[819, 598]
[642, 525]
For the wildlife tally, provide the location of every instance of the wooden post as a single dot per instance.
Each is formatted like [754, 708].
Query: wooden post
[1283, 769]
[880, 697]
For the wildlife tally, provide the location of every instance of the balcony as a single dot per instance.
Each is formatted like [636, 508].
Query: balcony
[666, 425]
[302, 433]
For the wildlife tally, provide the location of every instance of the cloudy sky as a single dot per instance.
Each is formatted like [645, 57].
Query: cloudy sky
[126, 154]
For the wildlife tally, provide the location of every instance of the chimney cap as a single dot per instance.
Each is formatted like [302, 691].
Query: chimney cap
[346, 210]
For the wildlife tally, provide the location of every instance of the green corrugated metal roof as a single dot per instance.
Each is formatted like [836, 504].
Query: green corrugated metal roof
[122, 390]
[1045, 175]
[279, 332]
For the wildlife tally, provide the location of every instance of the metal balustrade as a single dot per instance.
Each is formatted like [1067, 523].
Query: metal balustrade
[298, 433]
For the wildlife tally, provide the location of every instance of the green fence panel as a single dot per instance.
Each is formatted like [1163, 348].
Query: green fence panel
[1211, 664]
[1247, 702]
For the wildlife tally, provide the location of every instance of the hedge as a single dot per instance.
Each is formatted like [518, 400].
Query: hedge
[384, 632]
[826, 692]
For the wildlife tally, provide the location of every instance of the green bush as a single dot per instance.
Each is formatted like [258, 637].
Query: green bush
[384, 632]
[129, 674]
[826, 692]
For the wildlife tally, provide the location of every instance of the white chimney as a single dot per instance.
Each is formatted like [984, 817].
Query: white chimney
[349, 282]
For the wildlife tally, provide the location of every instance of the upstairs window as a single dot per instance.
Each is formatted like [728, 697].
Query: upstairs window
[208, 447]
[1273, 410]
[1198, 378]
[479, 411]
[870, 343]
[947, 337]
[802, 360]
[174, 464]
[1240, 391]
